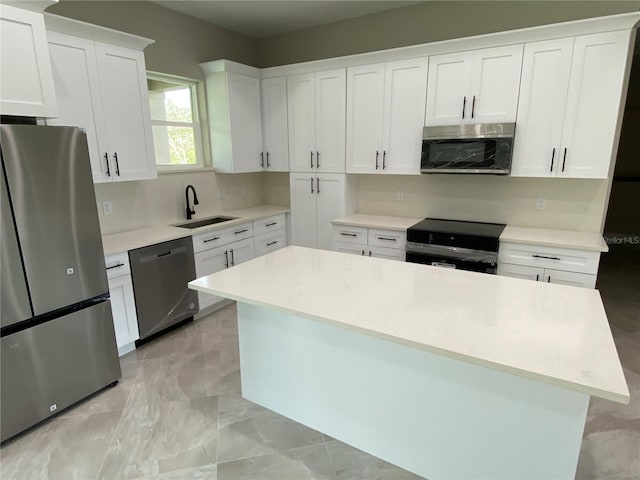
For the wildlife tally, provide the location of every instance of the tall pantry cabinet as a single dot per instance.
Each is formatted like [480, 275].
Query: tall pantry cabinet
[316, 112]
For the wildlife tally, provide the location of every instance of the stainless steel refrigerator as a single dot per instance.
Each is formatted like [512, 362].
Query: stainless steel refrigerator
[57, 339]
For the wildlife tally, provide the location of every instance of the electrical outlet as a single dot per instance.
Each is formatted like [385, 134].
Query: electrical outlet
[541, 203]
[400, 196]
[221, 193]
[106, 208]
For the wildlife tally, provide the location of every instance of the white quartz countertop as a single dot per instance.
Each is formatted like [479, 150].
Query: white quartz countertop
[555, 238]
[546, 332]
[376, 221]
[141, 237]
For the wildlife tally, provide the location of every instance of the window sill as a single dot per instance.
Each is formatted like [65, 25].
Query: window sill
[163, 171]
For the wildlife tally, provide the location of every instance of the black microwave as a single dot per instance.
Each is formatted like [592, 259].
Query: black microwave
[481, 148]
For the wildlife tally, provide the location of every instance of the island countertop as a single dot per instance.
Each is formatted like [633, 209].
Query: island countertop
[550, 333]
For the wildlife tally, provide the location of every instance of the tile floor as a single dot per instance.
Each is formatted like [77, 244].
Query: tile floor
[177, 413]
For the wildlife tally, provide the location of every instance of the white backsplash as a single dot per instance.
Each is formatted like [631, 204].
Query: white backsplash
[571, 204]
[162, 201]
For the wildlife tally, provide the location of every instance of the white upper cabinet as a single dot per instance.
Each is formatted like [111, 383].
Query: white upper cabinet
[365, 118]
[235, 123]
[25, 76]
[569, 106]
[593, 104]
[385, 112]
[543, 97]
[316, 108]
[245, 124]
[275, 138]
[479, 86]
[75, 73]
[127, 116]
[102, 88]
[404, 106]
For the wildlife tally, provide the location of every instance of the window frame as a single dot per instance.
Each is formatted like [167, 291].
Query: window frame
[196, 124]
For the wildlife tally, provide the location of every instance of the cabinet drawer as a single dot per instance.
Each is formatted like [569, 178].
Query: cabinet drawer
[348, 248]
[270, 242]
[352, 235]
[117, 265]
[387, 238]
[207, 241]
[570, 260]
[270, 224]
[217, 238]
[240, 232]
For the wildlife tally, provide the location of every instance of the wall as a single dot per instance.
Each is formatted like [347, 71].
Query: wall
[570, 204]
[423, 23]
[162, 201]
[181, 43]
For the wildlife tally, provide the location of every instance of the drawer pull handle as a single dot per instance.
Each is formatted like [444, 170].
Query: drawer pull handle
[545, 257]
[226, 259]
[211, 239]
[387, 238]
[117, 265]
[241, 231]
[271, 224]
[537, 277]
[348, 234]
[271, 243]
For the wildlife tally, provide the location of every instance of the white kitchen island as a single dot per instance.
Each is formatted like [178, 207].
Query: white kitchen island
[448, 374]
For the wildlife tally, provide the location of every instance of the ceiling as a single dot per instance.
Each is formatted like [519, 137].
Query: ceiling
[263, 18]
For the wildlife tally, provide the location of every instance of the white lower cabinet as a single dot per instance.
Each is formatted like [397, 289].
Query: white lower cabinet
[370, 242]
[220, 249]
[219, 258]
[315, 201]
[549, 264]
[123, 305]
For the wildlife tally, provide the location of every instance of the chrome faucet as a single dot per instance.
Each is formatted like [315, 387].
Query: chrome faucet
[190, 210]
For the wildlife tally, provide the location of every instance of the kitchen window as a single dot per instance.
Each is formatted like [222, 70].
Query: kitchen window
[175, 123]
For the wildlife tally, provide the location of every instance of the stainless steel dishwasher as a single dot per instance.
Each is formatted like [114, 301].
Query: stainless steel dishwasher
[160, 274]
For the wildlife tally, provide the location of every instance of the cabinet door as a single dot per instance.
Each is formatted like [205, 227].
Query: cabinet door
[521, 271]
[330, 191]
[570, 278]
[245, 122]
[25, 76]
[301, 109]
[404, 105]
[75, 73]
[349, 248]
[543, 97]
[593, 105]
[331, 91]
[388, 253]
[365, 110]
[123, 307]
[303, 210]
[208, 262]
[448, 89]
[495, 84]
[126, 112]
[240, 252]
[275, 137]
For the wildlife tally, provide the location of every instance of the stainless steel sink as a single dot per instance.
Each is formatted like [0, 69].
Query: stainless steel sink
[204, 222]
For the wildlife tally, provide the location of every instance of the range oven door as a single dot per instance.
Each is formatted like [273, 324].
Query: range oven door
[452, 257]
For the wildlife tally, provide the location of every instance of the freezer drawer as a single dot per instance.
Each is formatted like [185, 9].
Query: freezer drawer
[53, 365]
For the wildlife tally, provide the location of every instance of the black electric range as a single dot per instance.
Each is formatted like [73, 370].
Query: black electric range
[455, 244]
